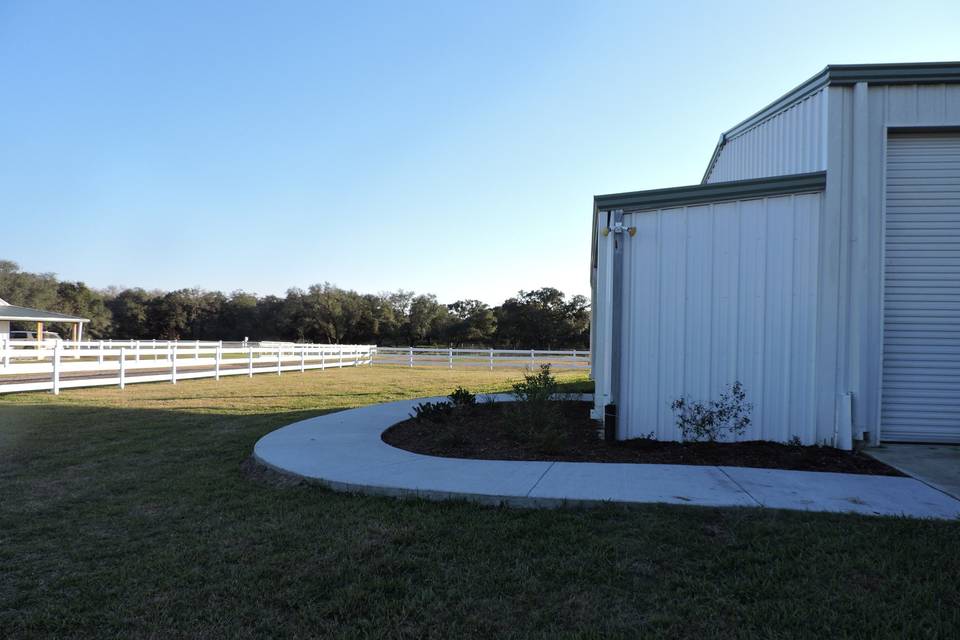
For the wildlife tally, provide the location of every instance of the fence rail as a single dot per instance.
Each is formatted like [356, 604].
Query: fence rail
[52, 365]
[487, 358]
[61, 365]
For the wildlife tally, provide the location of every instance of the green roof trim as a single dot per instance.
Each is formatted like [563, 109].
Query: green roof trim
[14, 313]
[845, 75]
[905, 73]
[713, 192]
[848, 74]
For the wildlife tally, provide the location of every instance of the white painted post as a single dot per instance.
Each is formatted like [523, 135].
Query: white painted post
[250, 362]
[411, 357]
[323, 358]
[196, 350]
[136, 352]
[491, 359]
[56, 369]
[216, 362]
[173, 363]
[6, 353]
[123, 368]
[303, 359]
[532, 360]
[340, 364]
[279, 358]
[100, 357]
[450, 356]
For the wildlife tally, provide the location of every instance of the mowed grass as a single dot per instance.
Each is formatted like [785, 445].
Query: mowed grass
[126, 514]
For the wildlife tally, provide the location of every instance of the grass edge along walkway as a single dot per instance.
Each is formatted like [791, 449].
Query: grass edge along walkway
[127, 514]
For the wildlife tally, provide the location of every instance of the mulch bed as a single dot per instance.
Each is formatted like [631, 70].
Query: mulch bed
[488, 431]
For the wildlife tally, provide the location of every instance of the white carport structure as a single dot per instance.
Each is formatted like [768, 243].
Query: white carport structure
[12, 313]
[818, 263]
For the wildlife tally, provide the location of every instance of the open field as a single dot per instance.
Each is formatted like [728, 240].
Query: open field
[126, 514]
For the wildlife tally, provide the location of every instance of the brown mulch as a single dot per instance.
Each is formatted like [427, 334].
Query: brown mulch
[488, 431]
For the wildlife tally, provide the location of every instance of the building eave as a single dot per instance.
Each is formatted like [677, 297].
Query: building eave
[845, 75]
[713, 192]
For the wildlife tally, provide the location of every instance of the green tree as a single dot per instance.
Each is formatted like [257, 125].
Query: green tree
[130, 309]
[543, 318]
[427, 320]
[472, 322]
[75, 298]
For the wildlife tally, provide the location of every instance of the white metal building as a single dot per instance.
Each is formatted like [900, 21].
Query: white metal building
[818, 263]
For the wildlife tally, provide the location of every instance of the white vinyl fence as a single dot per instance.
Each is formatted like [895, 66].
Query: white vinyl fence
[64, 365]
[488, 358]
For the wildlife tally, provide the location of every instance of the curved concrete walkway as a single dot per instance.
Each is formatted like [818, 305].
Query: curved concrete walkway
[344, 451]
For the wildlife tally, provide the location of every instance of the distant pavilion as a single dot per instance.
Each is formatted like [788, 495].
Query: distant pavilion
[12, 313]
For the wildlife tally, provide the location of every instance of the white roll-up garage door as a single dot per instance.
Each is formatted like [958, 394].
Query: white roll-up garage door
[921, 360]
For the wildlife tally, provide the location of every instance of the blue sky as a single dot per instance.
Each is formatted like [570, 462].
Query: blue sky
[445, 147]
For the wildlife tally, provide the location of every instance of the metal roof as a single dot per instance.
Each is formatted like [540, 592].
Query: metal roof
[848, 74]
[15, 313]
[845, 75]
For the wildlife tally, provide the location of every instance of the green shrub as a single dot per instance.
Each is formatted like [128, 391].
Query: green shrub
[462, 398]
[712, 421]
[538, 417]
[539, 387]
[433, 411]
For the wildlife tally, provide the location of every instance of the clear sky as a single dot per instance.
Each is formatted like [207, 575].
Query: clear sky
[448, 147]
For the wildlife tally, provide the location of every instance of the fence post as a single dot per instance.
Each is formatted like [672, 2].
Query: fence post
[279, 358]
[323, 357]
[491, 359]
[340, 363]
[6, 353]
[173, 363]
[217, 358]
[411, 357]
[100, 357]
[450, 356]
[303, 359]
[136, 354]
[56, 369]
[250, 362]
[196, 350]
[123, 368]
[533, 362]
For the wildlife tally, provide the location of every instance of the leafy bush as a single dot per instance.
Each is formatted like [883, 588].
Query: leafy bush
[537, 415]
[539, 387]
[433, 411]
[716, 419]
[462, 398]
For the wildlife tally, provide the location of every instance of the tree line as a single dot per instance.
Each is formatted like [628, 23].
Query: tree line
[543, 318]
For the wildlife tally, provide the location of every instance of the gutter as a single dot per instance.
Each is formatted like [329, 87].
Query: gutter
[611, 428]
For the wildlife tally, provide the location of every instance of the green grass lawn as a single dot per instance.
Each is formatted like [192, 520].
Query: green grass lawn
[125, 514]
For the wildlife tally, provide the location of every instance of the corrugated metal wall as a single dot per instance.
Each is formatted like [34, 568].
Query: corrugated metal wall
[791, 141]
[856, 184]
[849, 288]
[719, 293]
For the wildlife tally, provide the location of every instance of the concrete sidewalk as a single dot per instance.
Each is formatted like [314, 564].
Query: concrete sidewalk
[936, 464]
[344, 451]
